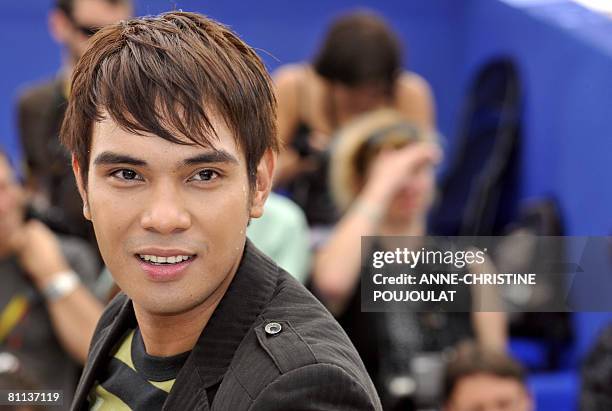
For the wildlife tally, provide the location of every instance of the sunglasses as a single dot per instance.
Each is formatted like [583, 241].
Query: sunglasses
[87, 31]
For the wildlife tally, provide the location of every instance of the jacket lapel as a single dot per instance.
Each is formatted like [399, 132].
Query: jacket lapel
[100, 350]
[189, 390]
[250, 290]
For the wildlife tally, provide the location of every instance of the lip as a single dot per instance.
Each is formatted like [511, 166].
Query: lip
[164, 273]
[164, 252]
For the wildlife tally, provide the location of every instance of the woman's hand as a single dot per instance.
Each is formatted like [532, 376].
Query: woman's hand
[391, 168]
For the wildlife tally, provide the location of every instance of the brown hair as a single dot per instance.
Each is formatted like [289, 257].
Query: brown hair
[471, 360]
[166, 75]
[360, 48]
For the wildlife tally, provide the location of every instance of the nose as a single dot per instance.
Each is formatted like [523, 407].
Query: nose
[166, 212]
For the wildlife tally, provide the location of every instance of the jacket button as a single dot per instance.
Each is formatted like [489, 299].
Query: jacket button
[273, 328]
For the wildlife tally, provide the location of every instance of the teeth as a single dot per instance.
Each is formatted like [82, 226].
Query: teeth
[164, 260]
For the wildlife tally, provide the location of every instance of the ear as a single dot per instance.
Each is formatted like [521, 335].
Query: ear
[76, 169]
[263, 183]
[59, 26]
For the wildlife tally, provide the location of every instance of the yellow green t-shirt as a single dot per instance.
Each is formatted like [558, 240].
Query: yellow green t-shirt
[134, 380]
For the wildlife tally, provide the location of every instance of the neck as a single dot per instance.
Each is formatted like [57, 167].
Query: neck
[168, 335]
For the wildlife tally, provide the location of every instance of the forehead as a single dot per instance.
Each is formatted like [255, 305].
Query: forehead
[107, 135]
[100, 12]
[479, 386]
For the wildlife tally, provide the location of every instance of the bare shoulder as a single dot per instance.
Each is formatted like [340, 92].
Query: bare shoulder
[415, 99]
[289, 74]
[413, 86]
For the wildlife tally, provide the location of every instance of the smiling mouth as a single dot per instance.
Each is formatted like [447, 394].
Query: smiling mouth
[170, 260]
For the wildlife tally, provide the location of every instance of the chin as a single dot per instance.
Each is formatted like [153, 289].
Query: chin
[168, 304]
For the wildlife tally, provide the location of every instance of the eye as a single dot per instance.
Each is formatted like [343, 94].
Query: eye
[127, 175]
[205, 175]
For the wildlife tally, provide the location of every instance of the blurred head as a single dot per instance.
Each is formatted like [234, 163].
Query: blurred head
[12, 200]
[361, 59]
[171, 122]
[479, 380]
[73, 22]
[14, 377]
[359, 144]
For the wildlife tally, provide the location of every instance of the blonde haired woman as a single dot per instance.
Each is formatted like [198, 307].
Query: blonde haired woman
[383, 179]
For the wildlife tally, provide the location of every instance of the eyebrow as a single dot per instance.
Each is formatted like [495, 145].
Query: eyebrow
[217, 156]
[108, 157]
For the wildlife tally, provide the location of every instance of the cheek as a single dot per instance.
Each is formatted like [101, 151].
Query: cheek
[8, 203]
[223, 214]
[79, 44]
[424, 187]
[112, 216]
[429, 188]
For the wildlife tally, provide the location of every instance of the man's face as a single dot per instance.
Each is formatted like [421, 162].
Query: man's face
[11, 201]
[154, 203]
[72, 30]
[484, 392]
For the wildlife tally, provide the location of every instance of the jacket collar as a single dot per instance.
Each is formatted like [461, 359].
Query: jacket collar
[249, 292]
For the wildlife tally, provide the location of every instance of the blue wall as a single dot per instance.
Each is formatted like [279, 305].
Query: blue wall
[564, 55]
[288, 31]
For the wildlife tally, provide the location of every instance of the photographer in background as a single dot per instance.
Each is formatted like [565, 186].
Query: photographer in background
[47, 314]
[41, 111]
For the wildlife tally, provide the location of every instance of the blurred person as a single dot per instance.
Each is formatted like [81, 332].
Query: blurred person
[383, 178]
[282, 233]
[171, 123]
[482, 380]
[41, 110]
[47, 314]
[358, 68]
[596, 374]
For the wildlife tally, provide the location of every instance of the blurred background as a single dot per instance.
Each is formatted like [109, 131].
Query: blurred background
[541, 68]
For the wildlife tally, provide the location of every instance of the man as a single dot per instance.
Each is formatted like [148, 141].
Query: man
[41, 110]
[171, 122]
[47, 315]
[480, 380]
